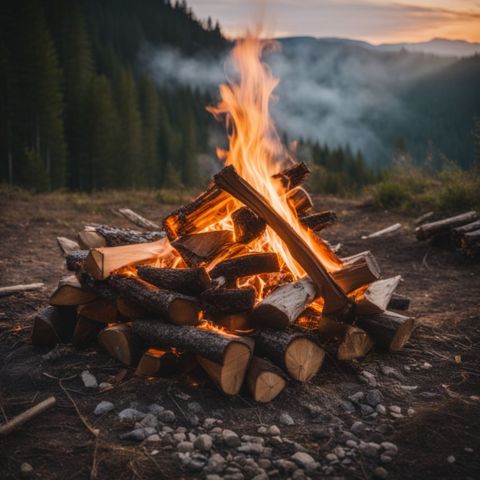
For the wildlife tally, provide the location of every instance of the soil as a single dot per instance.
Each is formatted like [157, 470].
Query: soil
[437, 374]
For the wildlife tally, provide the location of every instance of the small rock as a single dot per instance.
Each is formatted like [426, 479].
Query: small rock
[179, 437]
[155, 408]
[216, 464]
[274, 431]
[286, 419]
[385, 458]
[208, 423]
[426, 366]
[138, 435]
[285, 465]
[154, 438]
[351, 444]
[298, 475]
[302, 459]
[374, 397]
[331, 457]
[185, 447]
[347, 406]
[26, 469]
[320, 432]
[357, 397]
[358, 427]
[105, 386]
[390, 448]
[130, 414]
[194, 407]
[89, 381]
[468, 449]
[230, 438]
[366, 409]
[193, 420]
[262, 430]
[264, 463]
[410, 412]
[252, 448]
[339, 452]
[381, 409]
[166, 416]
[149, 420]
[253, 439]
[395, 409]
[370, 449]
[213, 477]
[203, 442]
[380, 472]
[103, 407]
[369, 378]
[451, 459]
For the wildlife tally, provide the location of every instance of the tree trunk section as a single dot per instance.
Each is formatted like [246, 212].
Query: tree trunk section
[225, 301]
[265, 381]
[319, 221]
[121, 343]
[246, 265]
[53, 325]
[428, 230]
[247, 226]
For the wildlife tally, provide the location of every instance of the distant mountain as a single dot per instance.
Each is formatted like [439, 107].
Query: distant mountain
[438, 46]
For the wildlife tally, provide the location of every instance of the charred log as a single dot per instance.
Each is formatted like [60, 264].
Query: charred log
[246, 265]
[300, 201]
[76, 259]
[225, 301]
[319, 221]
[53, 325]
[399, 302]
[247, 225]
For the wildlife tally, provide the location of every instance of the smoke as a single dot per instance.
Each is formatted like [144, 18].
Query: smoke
[328, 91]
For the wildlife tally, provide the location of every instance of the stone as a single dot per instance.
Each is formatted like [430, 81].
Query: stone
[167, 429]
[331, 457]
[351, 444]
[149, 420]
[276, 441]
[286, 419]
[358, 427]
[253, 439]
[252, 448]
[468, 450]
[138, 435]
[339, 452]
[426, 366]
[285, 465]
[262, 430]
[451, 459]
[410, 412]
[105, 386]
[320, 432]
[395, 409]
[208, 423]
[234, 476]
[167, 416]
[211, 476]
[89, 381]
[230, 438]
[216, 464]
[264, 463]
[374, 397]
[131, 414]
[385, 458]
[380, 472]
[185, 447]
[261, 476]
[390, 448]
[179, 437]
[366, 410]
[381, 409]
[370, 449]
[26, 469]
[347, 406]
[297, 446]
[203, 442]
[369, 378]
[298, 475]
[103, 407]
[154, 438]
[357, 397]
[273, 431]
[193, 420]
[194, 407]
[155, 408]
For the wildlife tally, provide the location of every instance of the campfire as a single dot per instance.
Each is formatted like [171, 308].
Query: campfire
[238, 281]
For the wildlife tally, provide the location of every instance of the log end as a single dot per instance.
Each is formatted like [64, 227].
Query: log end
[267, 315]
[356, 344]
[402, 335]
[184, 312]
[303, 359]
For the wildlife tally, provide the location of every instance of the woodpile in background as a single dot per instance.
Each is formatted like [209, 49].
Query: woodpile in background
[162, 300]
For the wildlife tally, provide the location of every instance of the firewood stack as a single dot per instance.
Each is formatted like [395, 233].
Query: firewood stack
[208, 289]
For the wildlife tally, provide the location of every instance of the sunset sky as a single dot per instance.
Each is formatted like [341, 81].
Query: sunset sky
[376, 21]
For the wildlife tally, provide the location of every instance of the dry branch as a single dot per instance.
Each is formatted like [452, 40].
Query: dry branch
[5, 291]
[384, 231]
[138, 220]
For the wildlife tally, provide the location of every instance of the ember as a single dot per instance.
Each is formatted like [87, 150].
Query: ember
[239, 282]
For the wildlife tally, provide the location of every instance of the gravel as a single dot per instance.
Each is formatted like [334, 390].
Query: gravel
[103, 407]
[203, 442]
[374, 397]
[274, 431]
[380, 472]
[185, 447]
[89, 381]
[286, 419]
[358, 427]
[302, 459]
[167, 416]
[131, 414]
[251, 448]
[138, 435]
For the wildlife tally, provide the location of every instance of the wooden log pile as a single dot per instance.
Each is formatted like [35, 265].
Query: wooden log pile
[208, 289]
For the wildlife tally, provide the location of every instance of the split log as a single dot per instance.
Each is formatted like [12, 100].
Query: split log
[101, 262]
[53, 325]
[201, 248]
[66, 245]
[76, 259]
[335, 299]
[5, 291]
[172, 306]
[293, 176]
[319, 221]
[265, 380]
[428, 230]
[138, 220]
[389, 330]
[101, 311]
[458, 233]
[357, 270]
[225, 301]
[158, 362]
[247, 226]
[27, 415]
[114, 236]
[300, 201]
[376, 297]
[246, 265]
[295, 352]
[284, 305]
[121, 343]
[190, 281]
[86, 331]
[398, 302]
[234, 322]
[70, 292]
[88, 239]
[384, 231]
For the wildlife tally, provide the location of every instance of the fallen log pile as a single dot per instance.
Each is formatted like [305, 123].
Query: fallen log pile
[230, 284]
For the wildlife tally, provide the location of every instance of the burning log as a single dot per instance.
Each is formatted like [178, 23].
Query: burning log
[398, 302]
[376, 297]
[5, 291]
[76, 259]
[293, 176]
[246, 265]
[138, 220]
[389, 330]
[101, 262]
[190, 281]
[114, 236]
[101, 311]
[70, 292]
[234, 322]
[86, 332]
[300, 200]
[319, 221]
[357, 270]
[158, 362]
[225, 301]
[428, 230]
[53, 325]
[284, 305]
[121, 343]
[129, 309]
[172, 306]
[230, 181]
[201, 248]
[298, 354]
[265, 381]
[247, 226]
[457, 234]
[66, 245]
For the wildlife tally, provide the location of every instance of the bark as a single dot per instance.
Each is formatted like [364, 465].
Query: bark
[246, 265]
[76, 259]
[53, 325]
[114, 236]
[319, 221]
[399, 302]
[247, 225]
[300, 201]
[428, 230]
[225, 301]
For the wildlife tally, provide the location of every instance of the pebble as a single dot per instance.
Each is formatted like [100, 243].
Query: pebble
[302, 459]
[149, 420]
[357, 397]
[185, 447]
[216, 464]
[262, 430]
[213, 477]
[264, 463]
[155, 408]
[274, 431]
[89, 381]
[374, 397]
[380, 472]
[351, 444]
[193, 420]
[252, 448]
[26, 469]
[261, 476]
[139, 434]
[131, 414]
[395, 409]
[320, 432]
[208, 423]
[286, 419]
[331, 457]
[285, 465]
[369, 378]
[154, 438]
[203, 442]
[358, 427]
[166, 416]
[103, 407]
[104, 386]
[276, 440]
[179, 437]
[366, 409]
[468, 449]
[385, 458]
[370, 449]
[194, 407]
[426, 366]
[230, 438]
[390, 448]
[451, 459]
[381, 409]
[339, 452]
[410, 412]
[234, 476]
[347, 406]
[253, 439]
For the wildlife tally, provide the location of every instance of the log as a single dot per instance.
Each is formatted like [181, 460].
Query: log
[160, 362]
[172, 306]
[398, 302]
[101, 311]
[356, 343]
[27, 415]
[376, 297]
[190, 281]
[225, 301]
[357, 270]
[471, 242]
[458, 233]
[300, 201]
[284, 305]
[70, 292]
[423, 218]
[319, 221]
[235, 322]
[293, 176]
[53, 325]
[247, 226]
[66, 245]
[5, 291]
[138, 220]
[246, 265]
[121, 343]
[76, 259]
[428, 230]
[88, 239]
[114, 236]
[200, 249]
[86, 331]
[389, 330]
[213, 345]
[101, 262]
[384, 231]
[335, 299]
[265, 381]
[129, 309]
[295, 352]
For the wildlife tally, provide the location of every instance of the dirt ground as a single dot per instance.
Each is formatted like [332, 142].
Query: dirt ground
[436, 376]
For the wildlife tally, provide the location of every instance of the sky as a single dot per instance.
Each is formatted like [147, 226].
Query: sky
[375, 21]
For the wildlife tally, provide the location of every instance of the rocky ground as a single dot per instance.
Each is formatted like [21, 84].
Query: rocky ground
[413, 414]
